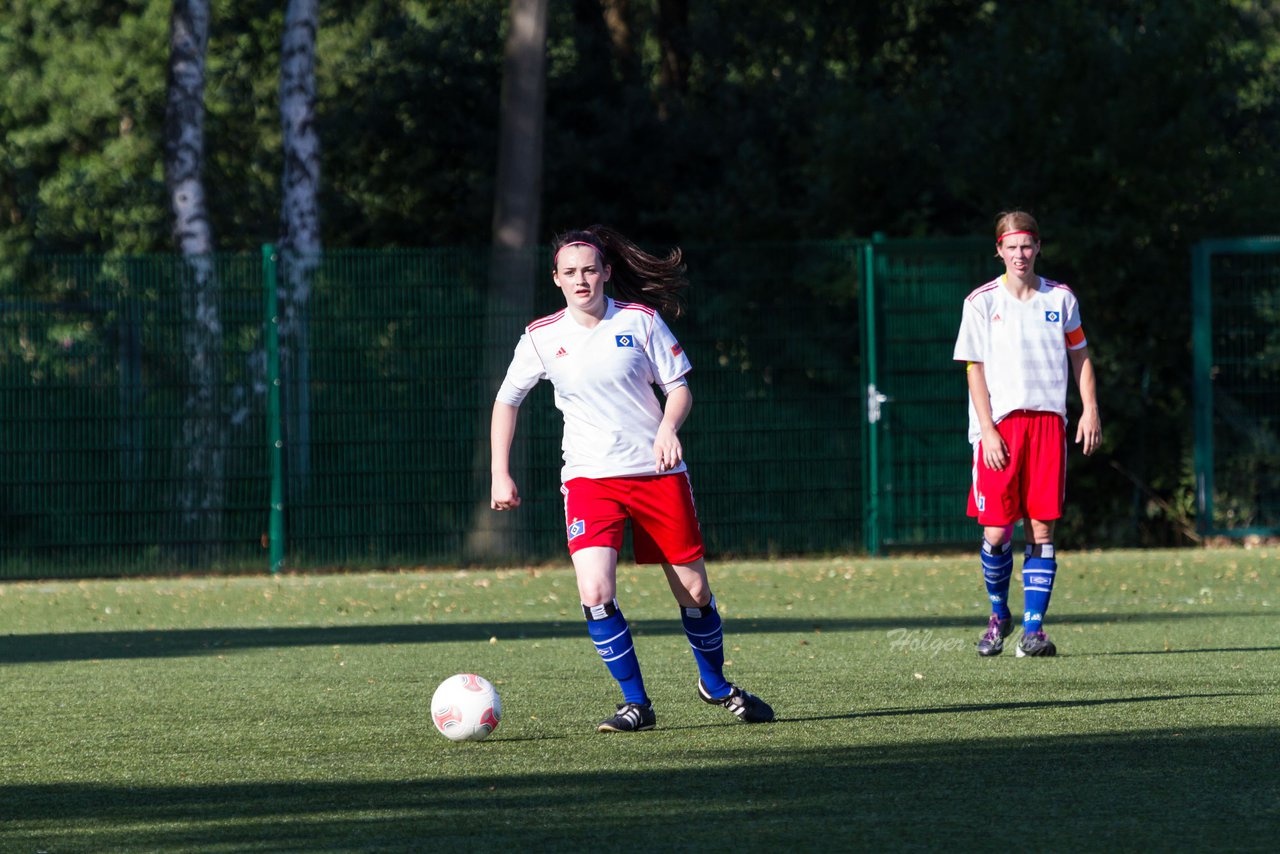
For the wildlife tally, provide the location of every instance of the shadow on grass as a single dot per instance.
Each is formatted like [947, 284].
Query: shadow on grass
[164, 643]
[962, 708]
[1207, 789]
[1188, 651]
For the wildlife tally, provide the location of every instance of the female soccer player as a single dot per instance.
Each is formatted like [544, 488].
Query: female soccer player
[1020, 336]
[622, 455]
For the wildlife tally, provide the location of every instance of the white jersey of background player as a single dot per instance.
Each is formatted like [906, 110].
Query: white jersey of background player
[1021, 338]
[1022, 345]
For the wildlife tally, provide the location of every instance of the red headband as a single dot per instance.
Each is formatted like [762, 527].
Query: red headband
[1001, 238]
[556, 259]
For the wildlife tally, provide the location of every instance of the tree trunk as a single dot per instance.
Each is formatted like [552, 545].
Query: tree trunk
[674, 47]
[618, 26]
[202, 442]
[299, 235]
[617, 17]
[516, 215]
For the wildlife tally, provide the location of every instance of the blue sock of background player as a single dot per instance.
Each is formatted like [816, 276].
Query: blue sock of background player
[1038, 571]
[997, 570]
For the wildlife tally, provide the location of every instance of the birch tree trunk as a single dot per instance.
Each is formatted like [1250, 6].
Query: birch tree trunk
[299, 243]
[203, 439]
[512, 276]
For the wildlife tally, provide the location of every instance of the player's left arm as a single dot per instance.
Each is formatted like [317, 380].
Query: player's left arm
[667, 450]
[670, 364]
[1089, 430]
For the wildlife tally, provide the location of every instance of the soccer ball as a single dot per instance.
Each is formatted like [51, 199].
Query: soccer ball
[466, 707]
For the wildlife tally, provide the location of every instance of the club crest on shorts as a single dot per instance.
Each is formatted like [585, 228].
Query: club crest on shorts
[625, 340]
[577, 528]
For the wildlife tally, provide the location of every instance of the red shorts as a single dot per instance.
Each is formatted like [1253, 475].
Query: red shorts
[664, 523]
[1034, 481]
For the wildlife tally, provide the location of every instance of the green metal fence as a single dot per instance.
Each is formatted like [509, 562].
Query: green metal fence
[920, 467]
[358, 436]
[92, 394]
[1236, 342]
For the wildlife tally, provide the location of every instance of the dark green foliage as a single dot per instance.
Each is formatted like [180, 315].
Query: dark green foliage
[408, 107]
[81, 116]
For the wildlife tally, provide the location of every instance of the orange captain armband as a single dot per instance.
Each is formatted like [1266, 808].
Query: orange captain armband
[1075, 337]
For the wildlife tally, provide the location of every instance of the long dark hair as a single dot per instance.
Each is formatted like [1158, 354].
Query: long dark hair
[637, 275]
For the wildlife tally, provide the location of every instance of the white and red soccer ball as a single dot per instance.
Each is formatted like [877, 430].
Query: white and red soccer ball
[466, 707]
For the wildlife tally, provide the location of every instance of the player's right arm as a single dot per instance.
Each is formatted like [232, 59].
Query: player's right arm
[503, 494]
[524, 372]
[994, 452]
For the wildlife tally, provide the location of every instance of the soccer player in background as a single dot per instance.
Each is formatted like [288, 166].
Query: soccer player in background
[1020, 337]
[622, 455]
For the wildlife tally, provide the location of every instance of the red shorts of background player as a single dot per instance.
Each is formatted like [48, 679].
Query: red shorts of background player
[1033, 482]
[664, 523]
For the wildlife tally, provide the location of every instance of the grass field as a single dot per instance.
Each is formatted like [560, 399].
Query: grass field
[289, 713]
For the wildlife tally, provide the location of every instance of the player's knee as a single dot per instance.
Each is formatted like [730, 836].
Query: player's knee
[1041, 532]
[692, 579]
[998, 536]
[596, 589]
[596, 594]
[699, 591]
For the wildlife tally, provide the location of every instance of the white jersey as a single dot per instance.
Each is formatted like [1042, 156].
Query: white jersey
[1022, 347]
[603, 379]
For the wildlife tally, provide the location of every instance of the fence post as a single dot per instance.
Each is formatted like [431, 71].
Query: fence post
[870, 368]
[275, 444]
[1202, 382]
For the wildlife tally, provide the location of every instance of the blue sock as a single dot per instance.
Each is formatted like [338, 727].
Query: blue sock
[706, 637]
[997, 569]
[1038, 571]
[612, 637]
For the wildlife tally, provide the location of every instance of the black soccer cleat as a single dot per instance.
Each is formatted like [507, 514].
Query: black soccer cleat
[630, 717]
[992, 643]
[1036, 644]
[747, 707]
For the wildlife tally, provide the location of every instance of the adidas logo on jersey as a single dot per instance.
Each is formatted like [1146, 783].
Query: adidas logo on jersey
[561, 352]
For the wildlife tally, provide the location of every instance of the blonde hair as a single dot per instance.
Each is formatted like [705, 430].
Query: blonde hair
[1008, 222]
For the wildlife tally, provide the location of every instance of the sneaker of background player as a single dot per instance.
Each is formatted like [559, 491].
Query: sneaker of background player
[747, 707]
[630, 717]
[1036, 643]
[992, 643]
